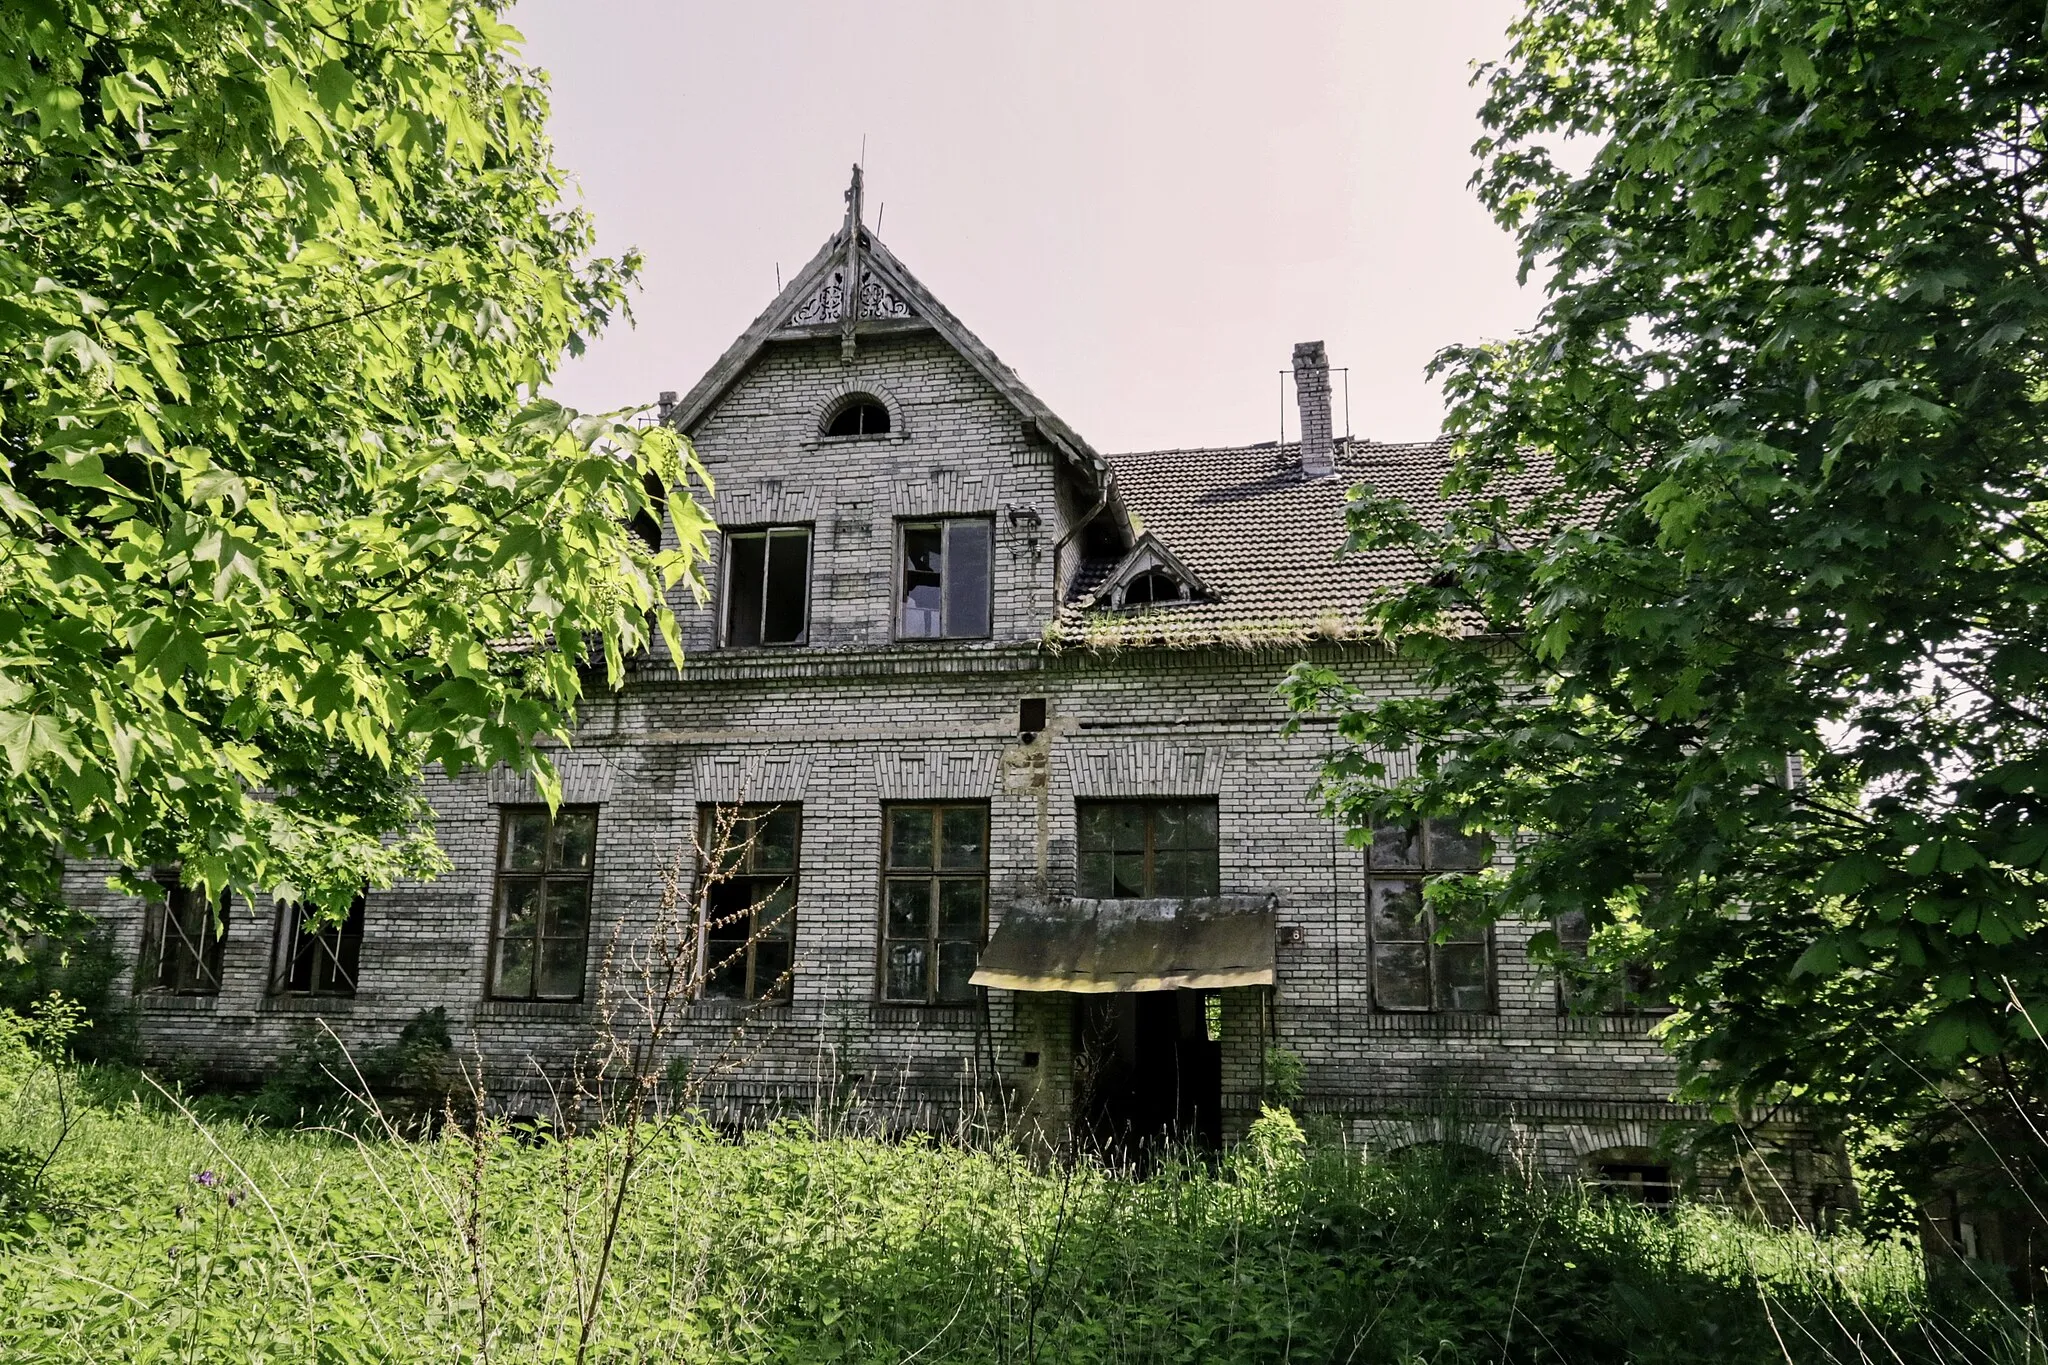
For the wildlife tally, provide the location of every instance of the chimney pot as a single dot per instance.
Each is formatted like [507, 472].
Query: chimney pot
[666, 405]
[1312, 391]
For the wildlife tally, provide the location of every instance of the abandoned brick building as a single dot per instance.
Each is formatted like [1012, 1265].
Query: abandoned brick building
[997, 715]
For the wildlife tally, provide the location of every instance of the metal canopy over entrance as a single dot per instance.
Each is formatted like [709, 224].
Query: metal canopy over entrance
[1097, 947]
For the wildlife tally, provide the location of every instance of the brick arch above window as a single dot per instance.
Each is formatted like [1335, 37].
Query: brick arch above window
[850, 395]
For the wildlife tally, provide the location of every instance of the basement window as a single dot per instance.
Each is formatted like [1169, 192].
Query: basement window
[322, 961]
[1418, 963]
[860, 415]
[767, 586]
[945, 591]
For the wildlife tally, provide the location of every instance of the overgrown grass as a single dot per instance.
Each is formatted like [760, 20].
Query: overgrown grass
[153, 1234]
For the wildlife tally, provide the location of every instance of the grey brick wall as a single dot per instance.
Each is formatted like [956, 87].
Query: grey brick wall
[854, 720]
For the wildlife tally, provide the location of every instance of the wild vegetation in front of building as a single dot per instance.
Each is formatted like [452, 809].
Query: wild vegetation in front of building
[137, 1222]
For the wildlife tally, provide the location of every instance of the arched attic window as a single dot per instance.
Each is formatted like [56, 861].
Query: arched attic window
[1152, 587]
[858, 414]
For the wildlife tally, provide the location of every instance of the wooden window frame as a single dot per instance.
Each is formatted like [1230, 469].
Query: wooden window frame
[1151, 807]
[773, 879]
[945, 524]
[1424, 867]
[332, 954]
[168, 939]
[767, 535]
[935, 876]
[549, 876]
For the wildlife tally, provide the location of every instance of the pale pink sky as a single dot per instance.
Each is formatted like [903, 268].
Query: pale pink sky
[1140, 205]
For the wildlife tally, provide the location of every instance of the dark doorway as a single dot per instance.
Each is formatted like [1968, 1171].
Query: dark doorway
[1148, 1071]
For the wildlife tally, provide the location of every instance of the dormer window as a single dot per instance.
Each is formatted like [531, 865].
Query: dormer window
[859, 414]
[1153, 587]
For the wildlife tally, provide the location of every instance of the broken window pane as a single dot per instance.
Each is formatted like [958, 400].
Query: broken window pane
[923, 558]
[946, 566]
[859, 415]
[934, 917]
[767, 586]
[1461, 977]
[542, 924]
[1397, 912]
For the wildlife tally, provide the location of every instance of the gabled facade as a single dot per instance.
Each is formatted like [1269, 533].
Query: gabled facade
[989, 723]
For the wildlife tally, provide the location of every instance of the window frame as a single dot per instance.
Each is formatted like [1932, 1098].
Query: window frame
[766, 532]
[846, 402]
[338, 946]
[206, 956]
[935, 876]
[1425, 868]
[708, 814]
[547, 874]
[1635, 995]
[945, 523]
[1150, 805]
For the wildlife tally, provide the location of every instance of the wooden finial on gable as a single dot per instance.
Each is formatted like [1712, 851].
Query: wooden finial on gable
[849, 292]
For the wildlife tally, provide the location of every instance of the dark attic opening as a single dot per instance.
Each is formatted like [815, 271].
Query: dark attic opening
[858, 415]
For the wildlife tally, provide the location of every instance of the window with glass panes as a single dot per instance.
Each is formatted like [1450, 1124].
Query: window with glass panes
[1147, 848]
[543, 920]
[934, 901]
[749, 865]
[1417, 963]
[1633, 989]
[321, 961]
[181, 941]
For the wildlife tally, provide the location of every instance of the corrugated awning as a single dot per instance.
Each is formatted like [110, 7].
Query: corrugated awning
[1093, 947]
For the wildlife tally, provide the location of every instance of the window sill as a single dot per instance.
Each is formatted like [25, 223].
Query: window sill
[1428, 1021]
[738, 1009]
[925, 1016]
[572, 1010]
[305, 1003]
[165, 1002]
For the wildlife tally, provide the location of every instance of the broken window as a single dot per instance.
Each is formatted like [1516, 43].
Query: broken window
[767, 585]
[1418, 963]
[858, 415]
[1591, 990]
[543, 917]
[181, 941]
[1632, 1173]
[946, 579]
[1147, 848]
[935, 901]
[748, 867]
[319, 962]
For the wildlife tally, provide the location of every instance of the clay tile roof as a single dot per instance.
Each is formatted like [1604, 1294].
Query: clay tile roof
[1263, 539]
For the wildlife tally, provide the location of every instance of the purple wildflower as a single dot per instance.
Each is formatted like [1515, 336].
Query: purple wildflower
[207, 1178]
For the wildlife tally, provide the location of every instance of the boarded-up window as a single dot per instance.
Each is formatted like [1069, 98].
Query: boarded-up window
[747, 927]
[181, 941]
[320, 962]
[1147, 848]
[767, 586]
[934, 901]
[946, 576]
[1419, 964]
[543, 917]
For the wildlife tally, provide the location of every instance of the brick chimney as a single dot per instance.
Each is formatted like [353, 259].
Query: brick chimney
[1312, 390]
[666, 407]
